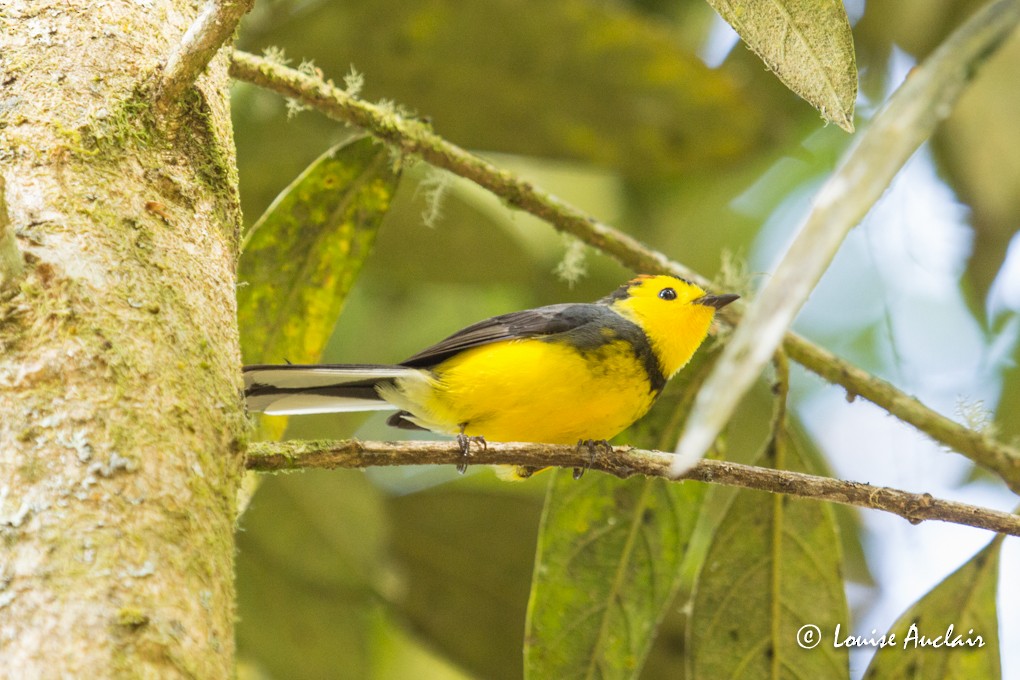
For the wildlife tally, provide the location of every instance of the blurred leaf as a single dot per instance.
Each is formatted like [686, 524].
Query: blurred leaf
[883, 25]
[1006, 422]
[398, 655]
[478, 241]
[302, 256]
[773, 566]
[572, 79]
[465, 556]
[808, 44]
[963, 602]
[310, 571]
[979, 148]
[610, 550]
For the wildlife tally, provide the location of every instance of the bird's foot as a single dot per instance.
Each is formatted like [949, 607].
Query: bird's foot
[465, 442]
[594, 447]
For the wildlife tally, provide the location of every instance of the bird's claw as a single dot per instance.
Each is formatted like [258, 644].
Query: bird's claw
[465, 442]
[594, 446]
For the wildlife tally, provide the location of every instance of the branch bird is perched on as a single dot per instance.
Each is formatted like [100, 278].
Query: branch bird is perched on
[560, 374]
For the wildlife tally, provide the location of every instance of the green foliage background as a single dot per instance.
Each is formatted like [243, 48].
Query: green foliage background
[418, 573]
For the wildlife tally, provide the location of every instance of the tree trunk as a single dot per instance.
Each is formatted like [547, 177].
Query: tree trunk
[121, 422]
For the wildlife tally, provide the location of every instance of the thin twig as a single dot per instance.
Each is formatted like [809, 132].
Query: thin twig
[12, 265]
[415, 137]
[991, 453]
[908, 118]
[214, 26]
[625, 462]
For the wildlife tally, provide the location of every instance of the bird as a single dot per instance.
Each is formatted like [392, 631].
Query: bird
[573, 373]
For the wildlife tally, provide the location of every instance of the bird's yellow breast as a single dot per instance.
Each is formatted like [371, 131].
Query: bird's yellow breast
[534, 390]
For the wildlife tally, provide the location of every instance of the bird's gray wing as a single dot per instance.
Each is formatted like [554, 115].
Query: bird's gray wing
[530, 323]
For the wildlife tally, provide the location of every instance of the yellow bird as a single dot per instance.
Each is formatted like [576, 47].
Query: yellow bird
[561, 374]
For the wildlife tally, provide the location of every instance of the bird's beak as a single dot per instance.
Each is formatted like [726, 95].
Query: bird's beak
[717, 301]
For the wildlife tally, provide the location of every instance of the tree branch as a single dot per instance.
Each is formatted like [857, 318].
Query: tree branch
[213, 27]
[978, 446]
[625, 462]
[415, 137]
[12, 265]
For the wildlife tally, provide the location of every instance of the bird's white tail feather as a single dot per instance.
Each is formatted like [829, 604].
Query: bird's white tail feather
[291, 377]
[291, 390]
[297, 404]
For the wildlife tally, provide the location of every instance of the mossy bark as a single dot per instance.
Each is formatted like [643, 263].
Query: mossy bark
[121, 421]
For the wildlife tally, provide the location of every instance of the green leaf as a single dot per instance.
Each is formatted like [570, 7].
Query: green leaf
[965, 601]
[807, 43]
[773, 567]
[607, 566]
[302, 256]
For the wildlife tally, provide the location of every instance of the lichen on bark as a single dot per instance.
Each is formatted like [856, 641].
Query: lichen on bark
[121, 423]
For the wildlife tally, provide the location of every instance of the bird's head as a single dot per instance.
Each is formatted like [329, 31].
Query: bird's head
[674, 313]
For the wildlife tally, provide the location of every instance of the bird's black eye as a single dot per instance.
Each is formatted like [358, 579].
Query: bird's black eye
[667, 294]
